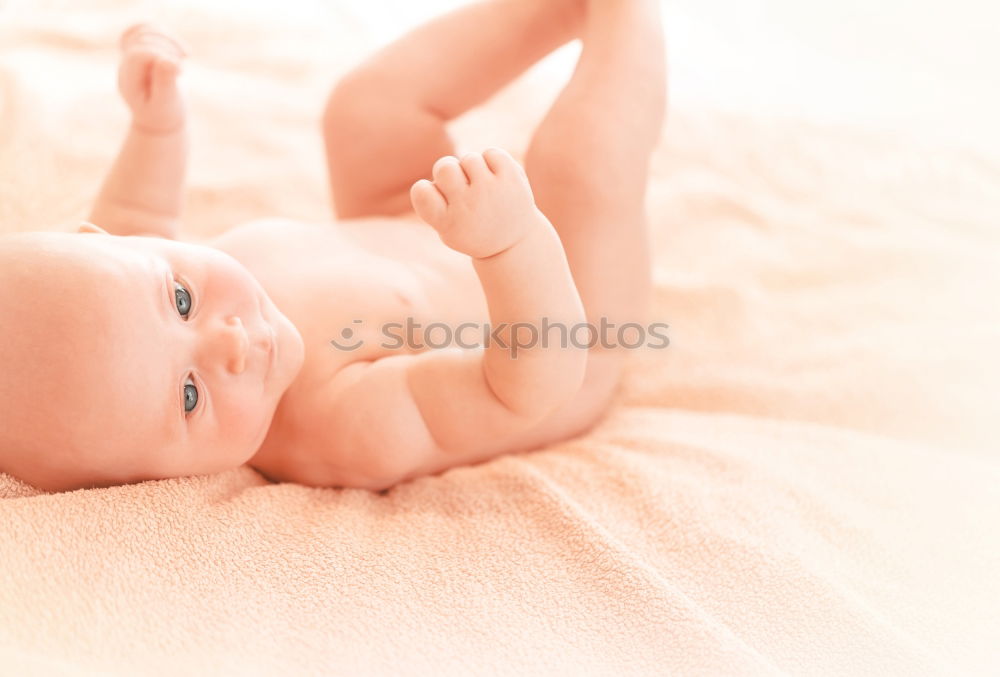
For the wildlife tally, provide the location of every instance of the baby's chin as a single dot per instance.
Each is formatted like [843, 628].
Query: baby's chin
[288, 343]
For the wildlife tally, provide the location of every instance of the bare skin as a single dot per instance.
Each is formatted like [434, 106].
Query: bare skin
[422, 235]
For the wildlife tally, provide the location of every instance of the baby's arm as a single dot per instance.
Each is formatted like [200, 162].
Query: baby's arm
[143, 192]
[405, 413]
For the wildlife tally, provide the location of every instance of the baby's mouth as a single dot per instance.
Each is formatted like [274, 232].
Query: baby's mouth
[272, 350]
[268, 338]
[266, 342]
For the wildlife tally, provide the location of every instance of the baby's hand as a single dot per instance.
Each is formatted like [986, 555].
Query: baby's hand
[147, 78]
[480, 205]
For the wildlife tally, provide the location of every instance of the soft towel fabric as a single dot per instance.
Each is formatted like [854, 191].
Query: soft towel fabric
[804, 482]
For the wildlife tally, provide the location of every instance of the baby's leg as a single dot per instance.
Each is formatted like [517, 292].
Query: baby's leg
[384, 123]
[588, 164]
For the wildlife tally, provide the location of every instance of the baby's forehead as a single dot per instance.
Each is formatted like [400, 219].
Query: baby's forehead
[76, 293]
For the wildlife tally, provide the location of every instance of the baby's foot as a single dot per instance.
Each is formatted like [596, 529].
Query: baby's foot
[147, 78]
[480, 205]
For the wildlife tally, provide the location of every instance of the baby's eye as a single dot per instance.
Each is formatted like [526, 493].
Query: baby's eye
[182, 299]
[190, 396]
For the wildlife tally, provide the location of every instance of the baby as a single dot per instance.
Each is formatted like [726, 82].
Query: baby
[130, 355]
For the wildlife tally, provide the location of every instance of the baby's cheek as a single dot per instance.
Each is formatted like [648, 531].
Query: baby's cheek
[245, 426]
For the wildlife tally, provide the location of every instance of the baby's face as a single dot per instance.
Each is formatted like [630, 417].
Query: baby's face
[165, 359]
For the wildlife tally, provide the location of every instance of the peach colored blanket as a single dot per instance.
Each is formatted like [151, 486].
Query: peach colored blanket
[806, 481]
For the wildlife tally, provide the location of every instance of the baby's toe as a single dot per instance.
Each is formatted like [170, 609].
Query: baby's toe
[151, 35]
[167, 68]
[475, 167]
[449, 176]
[428, 202]
[500, 161]
[132, 31]
[164, 76]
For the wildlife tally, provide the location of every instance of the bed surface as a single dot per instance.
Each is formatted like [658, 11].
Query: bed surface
[805, 481]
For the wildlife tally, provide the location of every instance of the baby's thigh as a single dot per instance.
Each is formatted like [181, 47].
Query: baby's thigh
[377, 146]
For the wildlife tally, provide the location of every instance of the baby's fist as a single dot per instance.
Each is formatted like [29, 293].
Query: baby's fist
[147, 78]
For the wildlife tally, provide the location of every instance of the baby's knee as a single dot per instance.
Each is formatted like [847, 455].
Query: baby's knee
[350, 101]
[357, 95]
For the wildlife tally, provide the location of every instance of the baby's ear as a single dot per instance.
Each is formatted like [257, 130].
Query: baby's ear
[88, 227]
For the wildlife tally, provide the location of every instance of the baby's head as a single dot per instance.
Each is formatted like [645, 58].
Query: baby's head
[133, 358]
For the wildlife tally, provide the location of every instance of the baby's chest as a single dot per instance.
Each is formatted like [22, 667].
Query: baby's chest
[357, 292]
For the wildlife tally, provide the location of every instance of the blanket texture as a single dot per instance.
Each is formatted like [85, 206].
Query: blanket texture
[805, 481]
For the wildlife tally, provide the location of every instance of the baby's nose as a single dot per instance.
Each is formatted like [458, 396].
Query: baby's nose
[228, 344]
